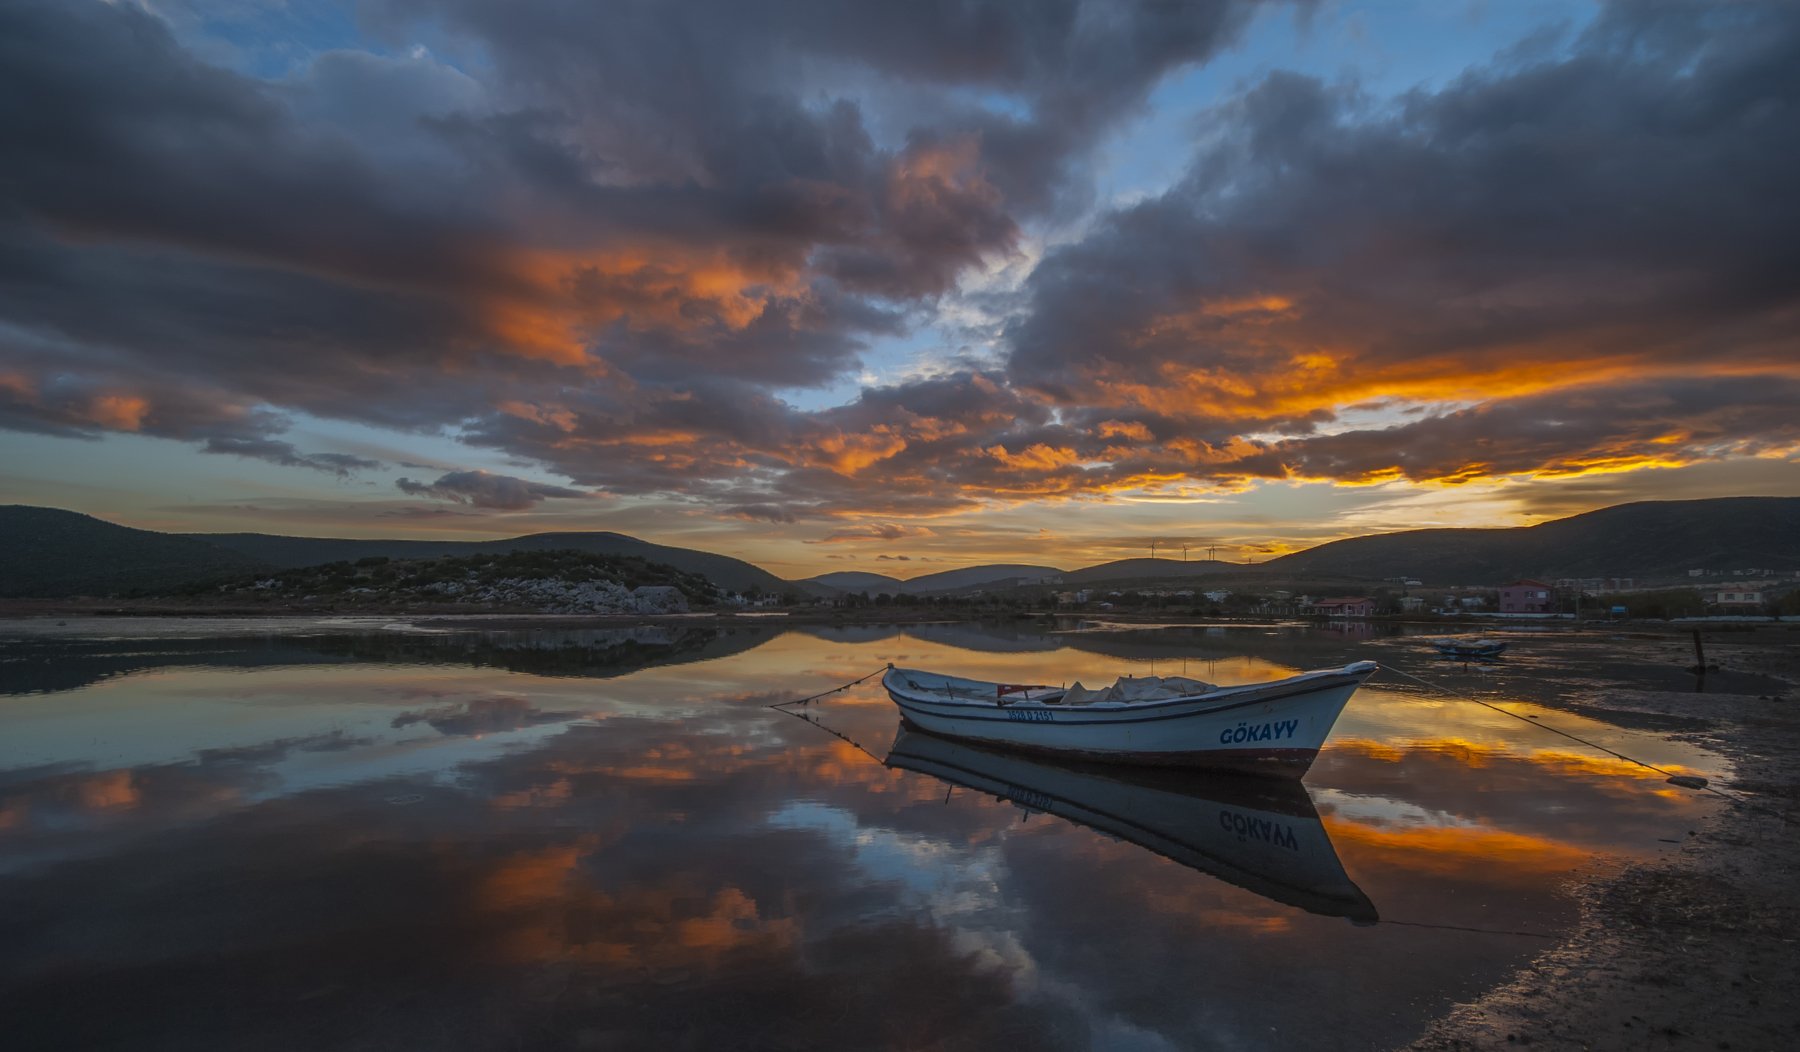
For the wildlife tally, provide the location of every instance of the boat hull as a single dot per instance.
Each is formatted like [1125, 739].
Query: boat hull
[1261, 834]
[1274, 728]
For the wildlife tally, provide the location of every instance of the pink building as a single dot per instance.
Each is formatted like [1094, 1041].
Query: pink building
[1527, 597]
[1347, 606]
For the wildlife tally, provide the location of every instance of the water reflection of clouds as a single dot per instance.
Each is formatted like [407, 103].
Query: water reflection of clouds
[657, 857]
[477, 716]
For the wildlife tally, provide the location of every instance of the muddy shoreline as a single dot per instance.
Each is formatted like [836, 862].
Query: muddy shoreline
[1699, 949]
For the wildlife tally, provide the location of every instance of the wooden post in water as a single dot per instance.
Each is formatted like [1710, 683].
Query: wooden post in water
[1699, 655]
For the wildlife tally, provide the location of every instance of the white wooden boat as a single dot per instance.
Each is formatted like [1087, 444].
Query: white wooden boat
[1275, 727]
[1261, 834]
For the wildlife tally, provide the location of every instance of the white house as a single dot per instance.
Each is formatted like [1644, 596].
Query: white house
[1736, 598]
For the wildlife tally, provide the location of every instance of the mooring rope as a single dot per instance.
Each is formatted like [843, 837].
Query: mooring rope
[783, 706]
[1736, 798]
[1459, 927]
[827, 693]
[836, 734]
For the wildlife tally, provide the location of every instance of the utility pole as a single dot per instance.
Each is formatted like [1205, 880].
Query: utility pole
[1153, 551]
[1184, 553]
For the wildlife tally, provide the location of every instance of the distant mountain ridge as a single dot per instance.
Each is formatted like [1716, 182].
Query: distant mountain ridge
[291, 552]
[990, 575]
[1148, 569]
[1645, 539]
[49, 553]
[857, 581]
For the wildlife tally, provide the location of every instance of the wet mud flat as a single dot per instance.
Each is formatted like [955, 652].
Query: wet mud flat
[1699, 949]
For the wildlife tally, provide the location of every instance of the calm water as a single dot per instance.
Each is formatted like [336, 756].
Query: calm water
[356, 837]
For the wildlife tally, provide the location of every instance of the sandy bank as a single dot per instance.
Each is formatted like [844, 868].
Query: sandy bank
[1700, 949]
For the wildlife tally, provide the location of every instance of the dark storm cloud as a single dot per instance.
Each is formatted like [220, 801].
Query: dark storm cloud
[391, 240]
[762, 512]
[1536, 225]
[608, 249]
[1563, 432]
[484, 490]
[1626, 202]
[873, 531]
[276, 451]
[739, 113]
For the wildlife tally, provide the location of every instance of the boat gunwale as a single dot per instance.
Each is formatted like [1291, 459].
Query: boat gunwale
[1124, 712]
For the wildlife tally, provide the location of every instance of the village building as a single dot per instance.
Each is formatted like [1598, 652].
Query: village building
[1527, 597]
[1740, 599]
[1344, 606]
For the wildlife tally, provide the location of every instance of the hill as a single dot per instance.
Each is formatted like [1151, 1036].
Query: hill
[1648, 539]
[987, 575]
[990, 575]
[733, 575]
[857, 581]
[47, 552]
[560, 581]
[1148, 570]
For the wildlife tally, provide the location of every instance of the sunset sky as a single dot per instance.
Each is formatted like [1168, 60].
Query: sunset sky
[896, 286]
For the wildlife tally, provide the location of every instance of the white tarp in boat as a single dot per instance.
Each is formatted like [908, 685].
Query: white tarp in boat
[1136, 688]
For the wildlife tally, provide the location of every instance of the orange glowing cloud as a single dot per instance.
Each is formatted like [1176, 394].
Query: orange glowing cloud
[848, 454]
[553, 300]
[120, 412]
[1038, 457]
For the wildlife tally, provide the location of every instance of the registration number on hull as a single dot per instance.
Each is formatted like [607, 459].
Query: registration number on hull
[1031, 715]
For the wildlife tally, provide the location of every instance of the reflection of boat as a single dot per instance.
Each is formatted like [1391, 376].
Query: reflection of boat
[1470, 648]
[1276, 727]
[1261, 834]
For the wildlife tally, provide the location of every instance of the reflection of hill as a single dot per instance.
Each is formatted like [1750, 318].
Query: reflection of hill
[1300, 648]
[1003, 637]
[592, 653]
[849, 633]
[45, 666]
[1262, 835]
[35, 666]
